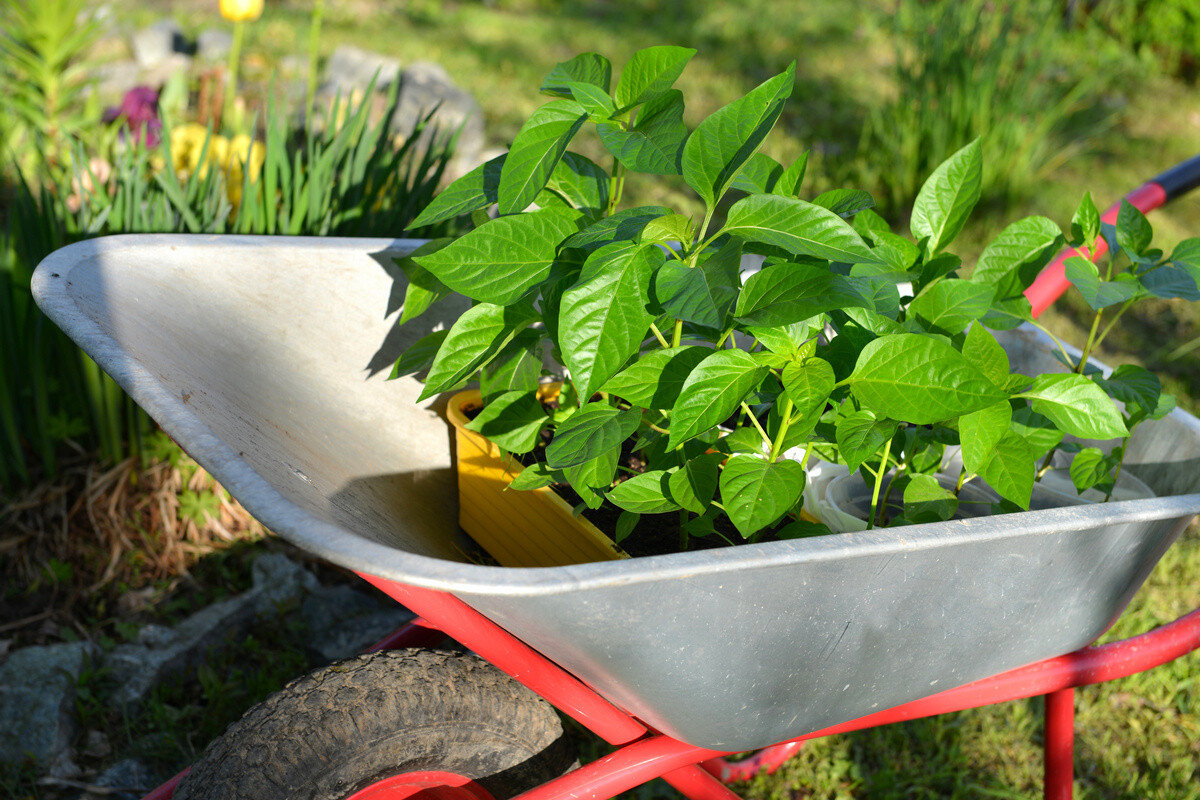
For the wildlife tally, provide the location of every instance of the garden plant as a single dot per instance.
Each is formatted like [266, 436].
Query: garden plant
[699, 392]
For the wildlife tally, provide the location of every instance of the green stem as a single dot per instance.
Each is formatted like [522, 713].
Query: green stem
[1087, 348]
[1112, 322]
[962, 478]
[887, 451]
[658, 335]
[728, 332]
[677, 336]
[783, 429]
[754, 421]
[1045, 467]
[235, 58]
[1061, 347]
[617, 187]
[1120, 463]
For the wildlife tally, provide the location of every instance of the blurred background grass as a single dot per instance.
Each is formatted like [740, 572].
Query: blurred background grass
[1069, 96]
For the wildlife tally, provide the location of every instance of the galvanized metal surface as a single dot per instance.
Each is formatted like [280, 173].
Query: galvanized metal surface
[266, 358]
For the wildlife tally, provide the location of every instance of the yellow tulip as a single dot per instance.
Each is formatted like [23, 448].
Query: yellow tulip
[241, 10]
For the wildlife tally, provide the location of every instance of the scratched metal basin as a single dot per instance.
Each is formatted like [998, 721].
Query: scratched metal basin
[265, 358]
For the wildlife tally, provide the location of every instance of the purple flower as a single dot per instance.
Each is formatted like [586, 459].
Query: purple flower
[139, 109]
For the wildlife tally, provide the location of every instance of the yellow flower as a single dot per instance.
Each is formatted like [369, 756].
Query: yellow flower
[241, 10]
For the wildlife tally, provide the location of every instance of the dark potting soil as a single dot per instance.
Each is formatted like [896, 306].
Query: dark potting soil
[654, 534]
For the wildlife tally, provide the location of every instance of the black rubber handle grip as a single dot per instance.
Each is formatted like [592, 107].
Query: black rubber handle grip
[1181, 178]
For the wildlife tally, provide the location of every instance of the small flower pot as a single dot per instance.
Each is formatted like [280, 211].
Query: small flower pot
[518, 528]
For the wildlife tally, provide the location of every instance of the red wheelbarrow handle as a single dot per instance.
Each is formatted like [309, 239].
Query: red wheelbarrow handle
[1178, 180]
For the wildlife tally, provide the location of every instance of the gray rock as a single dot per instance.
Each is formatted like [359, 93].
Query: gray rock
[37, 701]
[138, 668]
[156, 43]
[213, 44]
[425, 86]
[343, 621]
[131, 775]
[351, 69]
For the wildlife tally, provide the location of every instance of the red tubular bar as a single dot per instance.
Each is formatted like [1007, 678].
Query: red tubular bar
[696, 784]
[508, 653]
[1059, 745]
[1052, 281]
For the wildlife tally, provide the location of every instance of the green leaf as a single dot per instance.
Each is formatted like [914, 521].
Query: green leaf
[1088, 468]
[603, 317]
[501, 260]
[1136, 387]
[671, 228]
[1017, 255]
[860, 435]
[478, 335]
[845, 202]
[655, 379]
[782, 294]
[517, 367]
[535, 476]
[1038, 431]
[627, 224]
[1098, 293]
[694, 485]
[655, 142]
[803, 529]
[894, 251]
[625, 525]
[419, 355]
[644, 493]
[759, 175]
[593, 476]
[1008, 314]
[788, 184]
[581, 182]
[423, 288]
[712, 392]
[1085, 225]
[1076, 405]
[947, 197]
[981, 349]
[798, 227]
[723, 142]
[808, 384]
[535, 151]
[926, 501]
[1133, 229]
[704, 294]
[512, 420]
[980, 432]
[1170, 280]
[649, 72]
[949, 306]
[590, 68]
[786, 340]
[1011, 468]
[592, 99]
[594, 429]
[919, 379]
[757, 493]
[473, 191]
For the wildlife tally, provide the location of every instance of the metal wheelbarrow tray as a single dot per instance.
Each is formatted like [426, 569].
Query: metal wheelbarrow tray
[266, 357]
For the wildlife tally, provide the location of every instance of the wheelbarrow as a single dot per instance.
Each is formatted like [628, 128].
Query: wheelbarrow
[264, 358]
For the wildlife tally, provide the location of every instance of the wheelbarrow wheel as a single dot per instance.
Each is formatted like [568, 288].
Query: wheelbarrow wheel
[433, 723]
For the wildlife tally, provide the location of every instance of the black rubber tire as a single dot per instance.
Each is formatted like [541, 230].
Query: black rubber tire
[328, 734]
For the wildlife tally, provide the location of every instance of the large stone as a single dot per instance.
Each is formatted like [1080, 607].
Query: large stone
[425, 86]
[351, 69]
[37, 702]
[127, 780]
[138, 668]
[156, 43]
[343, 621]
[213, 44]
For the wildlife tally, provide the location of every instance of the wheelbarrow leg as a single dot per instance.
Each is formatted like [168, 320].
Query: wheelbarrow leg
[1059, 779]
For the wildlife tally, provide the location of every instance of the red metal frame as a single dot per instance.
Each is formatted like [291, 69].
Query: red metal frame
[700, 774]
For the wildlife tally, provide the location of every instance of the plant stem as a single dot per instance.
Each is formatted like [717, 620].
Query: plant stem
[1120, 463]
[783, 429]
[658, 335]
[1087, 348]
[887, 451]
[677, 336]
[754, 420]
[1061, 347]
[235, 57]
[1112, 322]
[618, 187]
